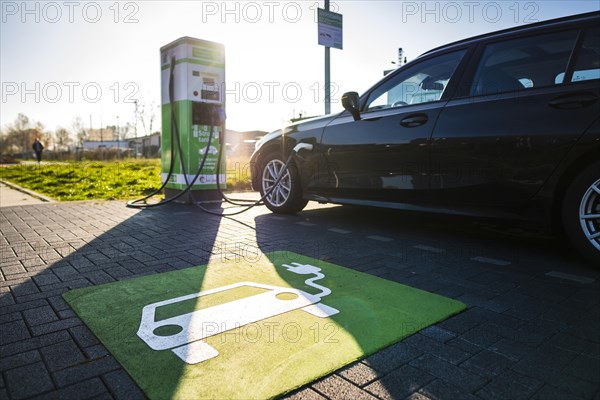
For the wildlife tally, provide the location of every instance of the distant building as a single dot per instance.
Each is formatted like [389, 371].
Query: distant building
[146, 146]
[101, 135]
[106, 144]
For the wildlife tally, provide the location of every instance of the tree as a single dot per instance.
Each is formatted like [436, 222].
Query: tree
[19, 136]
[78, 130]
[62, 139]
[145, 114]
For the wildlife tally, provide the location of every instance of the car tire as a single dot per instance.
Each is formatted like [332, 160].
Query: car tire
[286, 198]
[581, 213]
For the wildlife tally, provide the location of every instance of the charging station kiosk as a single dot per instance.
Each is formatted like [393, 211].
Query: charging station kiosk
[193, 105]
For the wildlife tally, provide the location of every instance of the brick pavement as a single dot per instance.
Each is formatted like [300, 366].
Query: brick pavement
[526, 334]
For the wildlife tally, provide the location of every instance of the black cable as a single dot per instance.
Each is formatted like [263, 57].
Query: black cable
[257, 202]
[175, 135]
[133, 203]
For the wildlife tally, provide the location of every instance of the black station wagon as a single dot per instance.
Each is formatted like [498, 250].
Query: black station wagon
[505, 125]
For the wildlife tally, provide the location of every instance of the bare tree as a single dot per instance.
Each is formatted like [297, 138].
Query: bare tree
[146, 115]
[18, 136]
[62, 139]
[78, 130]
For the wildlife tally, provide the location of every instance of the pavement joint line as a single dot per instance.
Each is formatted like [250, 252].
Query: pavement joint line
[337, 230]
[380, 238]
[303, 223]
[493, 261]
[571, 277]
[429, 248]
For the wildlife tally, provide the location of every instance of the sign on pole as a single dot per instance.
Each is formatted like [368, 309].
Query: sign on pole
[330, 29]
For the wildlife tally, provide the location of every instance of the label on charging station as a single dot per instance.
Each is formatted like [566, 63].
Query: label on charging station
[198, 101]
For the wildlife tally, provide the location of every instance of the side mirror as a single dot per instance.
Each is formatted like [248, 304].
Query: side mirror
[350, 103]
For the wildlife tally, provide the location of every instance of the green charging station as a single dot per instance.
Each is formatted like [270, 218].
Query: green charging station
[193, 107]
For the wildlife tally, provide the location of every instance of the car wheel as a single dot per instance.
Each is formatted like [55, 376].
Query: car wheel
[286, 197]
[581, 213]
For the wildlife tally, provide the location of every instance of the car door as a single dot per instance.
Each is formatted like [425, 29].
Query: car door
[519, 116]
[383, 156]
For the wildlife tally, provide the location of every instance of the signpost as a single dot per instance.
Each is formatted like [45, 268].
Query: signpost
[330, 35]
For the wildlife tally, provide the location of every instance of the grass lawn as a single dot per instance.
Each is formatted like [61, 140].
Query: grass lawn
[94, 180]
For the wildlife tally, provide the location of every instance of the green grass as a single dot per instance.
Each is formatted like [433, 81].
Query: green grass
[103, 180]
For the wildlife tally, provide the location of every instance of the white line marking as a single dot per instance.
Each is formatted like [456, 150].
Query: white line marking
[494, 261]
[336, 230]
[571, 277]
[305, 223]
[380, 238]
[429, 248]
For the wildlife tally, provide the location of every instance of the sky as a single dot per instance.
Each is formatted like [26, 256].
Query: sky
[59, 60]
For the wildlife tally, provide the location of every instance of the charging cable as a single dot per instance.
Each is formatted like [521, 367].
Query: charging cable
[219, 118]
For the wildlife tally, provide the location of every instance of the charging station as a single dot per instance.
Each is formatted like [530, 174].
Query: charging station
[193, 110]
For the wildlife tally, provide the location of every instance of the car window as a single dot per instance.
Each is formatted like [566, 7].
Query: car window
[523, 63]
[587, 66]
[420, 83]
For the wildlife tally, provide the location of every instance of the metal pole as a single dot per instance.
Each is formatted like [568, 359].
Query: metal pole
[327, 74]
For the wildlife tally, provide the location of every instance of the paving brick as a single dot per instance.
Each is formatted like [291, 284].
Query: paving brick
[440, 390]
[96, 351]
[58, 303]
[392, 357]
[552, 393]
[569, 342]
[33, 343]
[121, 386]
[62, 355]
[99, 277]
[40, 315]
[304, 394]
[400, 383]
[586, 368]
[449, 373]
[440, 350]
[83, 336]
[46, 279]
[13, 332]
[550, 357]
[334, 387]
[88, 389]
[24, 289]
[359, 374]
[487, 364]
[55, 326]
[462, 323]
[510, 385]
[18, 360]
[481, 336]
[513, 350]
[28, 380]
[86, 370]
[437, 333]
[6, 299]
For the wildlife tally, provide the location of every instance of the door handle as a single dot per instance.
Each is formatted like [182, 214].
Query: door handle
[414, 120]
[573, 101]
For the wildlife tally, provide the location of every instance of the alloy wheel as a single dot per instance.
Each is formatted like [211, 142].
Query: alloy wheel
[589, 214]
[271, 173]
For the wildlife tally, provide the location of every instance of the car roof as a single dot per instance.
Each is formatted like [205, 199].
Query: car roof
[522, 28]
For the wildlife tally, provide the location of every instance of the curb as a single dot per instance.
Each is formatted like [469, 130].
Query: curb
[27, 191]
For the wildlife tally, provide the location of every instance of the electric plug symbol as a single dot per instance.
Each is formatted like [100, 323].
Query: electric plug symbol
[303, 269]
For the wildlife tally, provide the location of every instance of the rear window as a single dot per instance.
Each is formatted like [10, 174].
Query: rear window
[523, 63]
[587, 66]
